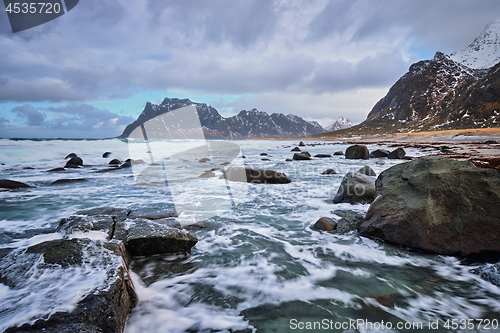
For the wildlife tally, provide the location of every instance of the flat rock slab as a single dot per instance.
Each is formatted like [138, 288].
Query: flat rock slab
[146, 237]
[66, 285]
[152, 214]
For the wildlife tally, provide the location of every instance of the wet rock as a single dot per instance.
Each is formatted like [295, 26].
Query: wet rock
[71, 155]
[103, 296]
[265, 159]
[302, 144]
[350, 220]
[356, 188]
[12, 184]
[256, 176]
[204, 160]
[329, 172]
[108, 169]
[56, 170]
[106, 154]
[397, 154]
[379, 153]
[338, 153]
[301, 157]
[325, 224]
[490, 273]
[107, 211]
[126, 164]
[207, 174]
[147, 237]
[322, 155]
[115, 162]
[263, 154]
[491, 142]
[296, 149]
[357, 152]
[83, 224]
[74, 162]
[366, 170]
[68, 181]
[437, 205]
[288, 160]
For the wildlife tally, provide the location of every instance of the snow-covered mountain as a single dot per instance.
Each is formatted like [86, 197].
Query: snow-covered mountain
[448, 92]
[339, 124]
[246, 124]
[484, 52]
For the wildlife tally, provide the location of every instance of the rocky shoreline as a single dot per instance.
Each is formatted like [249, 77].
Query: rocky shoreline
[433, 204]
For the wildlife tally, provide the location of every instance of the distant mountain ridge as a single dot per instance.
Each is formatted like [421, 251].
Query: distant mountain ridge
[447, 92]
[339, 124]
[246, 124]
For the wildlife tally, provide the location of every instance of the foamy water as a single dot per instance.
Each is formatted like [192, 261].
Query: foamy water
[257, 266]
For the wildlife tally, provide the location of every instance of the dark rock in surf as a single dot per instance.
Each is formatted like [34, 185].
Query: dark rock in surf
[356, 188]
[357, 152]
[325, 224]
[68, 181]
[301, 157]
[74, 162]
[12, 184]
[302, 144]
[350, 221]
[71, 155]
[296, 149]
[115, 162]
[366, 170]
[397, 154]
[379, 153]
[322, 155]
[256, 176]
[102, 308]
[106, 154]
[56, 170]
[329, 172]
[338, 153]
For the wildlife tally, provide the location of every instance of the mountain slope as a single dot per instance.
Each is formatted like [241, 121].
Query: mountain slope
[446, 92]
[246, 124]
[484, 51]
[339, 124]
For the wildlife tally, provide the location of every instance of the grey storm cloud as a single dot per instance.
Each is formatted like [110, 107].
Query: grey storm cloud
[115, 48]
[81, 114]
[32, 116]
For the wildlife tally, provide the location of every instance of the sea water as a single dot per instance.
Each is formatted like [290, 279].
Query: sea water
[257, 266]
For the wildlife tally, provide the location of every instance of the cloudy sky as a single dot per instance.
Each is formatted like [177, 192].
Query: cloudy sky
[90, 72]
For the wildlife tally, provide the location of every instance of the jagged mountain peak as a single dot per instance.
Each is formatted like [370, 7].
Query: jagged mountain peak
[339, 124]
[484, 51]
[246, 124]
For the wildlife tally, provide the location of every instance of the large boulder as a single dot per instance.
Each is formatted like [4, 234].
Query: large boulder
[356, 188]
[12, 184]
[256, 176]
[397, 154]
[68, 285]
[438, 205]
[357, 152]
[366, 170]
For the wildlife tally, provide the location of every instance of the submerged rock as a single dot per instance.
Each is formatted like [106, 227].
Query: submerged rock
[72, 285]
[357, 152]
[329, 172]
[322, 155]
[338, 153]
[256, 176]
[106, 154]
[356, 188]
[56, 170]
[12, 184]
[438, 205]
[490, 273]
